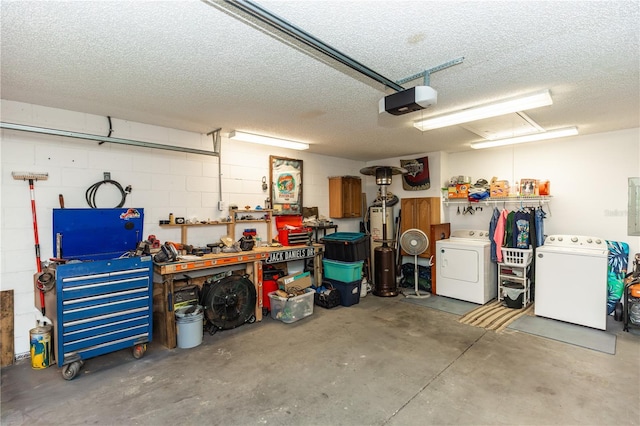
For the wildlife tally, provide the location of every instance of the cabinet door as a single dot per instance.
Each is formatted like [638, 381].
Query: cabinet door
[353, 197]
[345, 197]
[420, 213]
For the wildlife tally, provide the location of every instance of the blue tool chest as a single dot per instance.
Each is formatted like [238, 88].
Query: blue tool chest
[103, 306]
[103, 299]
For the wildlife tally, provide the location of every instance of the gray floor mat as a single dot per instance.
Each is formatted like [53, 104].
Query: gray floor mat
[578, 335]
[446, 304]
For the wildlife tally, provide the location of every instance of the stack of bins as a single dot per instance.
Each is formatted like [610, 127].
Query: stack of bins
[344, 256]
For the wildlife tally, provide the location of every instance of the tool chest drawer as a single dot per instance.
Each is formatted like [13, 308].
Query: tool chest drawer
[102, 306]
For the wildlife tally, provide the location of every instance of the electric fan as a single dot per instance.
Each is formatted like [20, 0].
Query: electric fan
[229, 303]
[415, 242]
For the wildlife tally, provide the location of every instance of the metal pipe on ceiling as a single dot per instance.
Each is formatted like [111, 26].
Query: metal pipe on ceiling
[258, 12]
[131, 142]
[217, 146]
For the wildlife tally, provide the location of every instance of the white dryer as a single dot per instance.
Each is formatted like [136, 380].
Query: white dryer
[464, 268]
[571, 280]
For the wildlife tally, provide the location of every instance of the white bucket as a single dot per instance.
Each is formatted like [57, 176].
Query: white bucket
[189, 327]
[365, 287]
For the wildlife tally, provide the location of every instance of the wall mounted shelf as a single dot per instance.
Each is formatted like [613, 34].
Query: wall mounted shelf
[540, 200]
[183, 228]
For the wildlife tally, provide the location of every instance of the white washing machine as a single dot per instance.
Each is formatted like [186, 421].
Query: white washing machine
[464, 268]
[571, 280]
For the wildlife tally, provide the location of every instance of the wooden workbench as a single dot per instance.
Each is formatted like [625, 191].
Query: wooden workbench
[164, 325]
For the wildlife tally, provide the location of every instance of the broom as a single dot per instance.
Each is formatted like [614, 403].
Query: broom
[31, 177]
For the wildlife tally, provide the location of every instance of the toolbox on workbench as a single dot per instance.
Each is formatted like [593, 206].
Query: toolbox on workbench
[291, 232]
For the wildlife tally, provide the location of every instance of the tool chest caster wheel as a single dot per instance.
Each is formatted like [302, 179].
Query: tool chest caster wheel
[139, 350]
[71, 370]
[618, 312]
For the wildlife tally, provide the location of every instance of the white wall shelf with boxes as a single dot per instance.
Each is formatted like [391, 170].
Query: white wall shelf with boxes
[528, 200]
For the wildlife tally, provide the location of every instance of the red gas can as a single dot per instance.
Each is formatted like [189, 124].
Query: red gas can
[269, 284]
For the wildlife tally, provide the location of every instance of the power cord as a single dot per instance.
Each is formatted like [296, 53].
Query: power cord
[90, 195]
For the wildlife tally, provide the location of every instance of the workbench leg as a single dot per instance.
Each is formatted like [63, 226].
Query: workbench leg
[170, 323]
[256, 275]
[317, 268]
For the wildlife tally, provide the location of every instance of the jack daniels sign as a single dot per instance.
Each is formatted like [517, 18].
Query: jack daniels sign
[293, 254]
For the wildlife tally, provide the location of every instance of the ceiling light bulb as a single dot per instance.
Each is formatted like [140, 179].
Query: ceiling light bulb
[551, 134]
[267, 140]
[507, 106]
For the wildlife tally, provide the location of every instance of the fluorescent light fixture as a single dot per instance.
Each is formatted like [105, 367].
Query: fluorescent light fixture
[266, 140]
[551, 134]
[507, 106]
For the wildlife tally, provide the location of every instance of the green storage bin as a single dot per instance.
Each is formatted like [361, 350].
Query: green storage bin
[342, 271]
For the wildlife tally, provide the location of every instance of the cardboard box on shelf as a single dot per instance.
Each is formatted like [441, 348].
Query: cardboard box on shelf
[459, 191]
[499, 188]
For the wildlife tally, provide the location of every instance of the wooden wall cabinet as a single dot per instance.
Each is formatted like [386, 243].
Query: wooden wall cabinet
[345, 197]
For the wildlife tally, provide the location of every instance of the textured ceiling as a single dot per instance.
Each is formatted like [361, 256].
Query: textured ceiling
[195, 66]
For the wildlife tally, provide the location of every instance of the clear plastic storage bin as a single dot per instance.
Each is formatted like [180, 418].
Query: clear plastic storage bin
[291, 309]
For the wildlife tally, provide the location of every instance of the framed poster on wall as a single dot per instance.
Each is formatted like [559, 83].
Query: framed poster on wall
[286, 185]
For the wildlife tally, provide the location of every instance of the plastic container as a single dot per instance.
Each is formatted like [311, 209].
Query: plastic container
[291, 309]
[327, 295]
[342, 271]
[349, 292]
[513, 295]
[189, 326]
[516, 257]
[346, 246]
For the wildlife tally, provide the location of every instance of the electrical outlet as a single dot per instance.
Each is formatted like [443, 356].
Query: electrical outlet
[221, 206]
[107, 175]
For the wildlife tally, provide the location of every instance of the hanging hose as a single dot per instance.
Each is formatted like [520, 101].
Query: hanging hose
[90, 195]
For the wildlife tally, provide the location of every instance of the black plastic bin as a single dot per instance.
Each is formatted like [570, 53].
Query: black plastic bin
[346, 246]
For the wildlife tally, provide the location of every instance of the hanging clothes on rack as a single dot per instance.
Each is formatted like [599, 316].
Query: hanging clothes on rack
[499, 234]
[508, 230]
[522, 228]
[521, 219]
[495, 216]
[540, 215]
[533, 230]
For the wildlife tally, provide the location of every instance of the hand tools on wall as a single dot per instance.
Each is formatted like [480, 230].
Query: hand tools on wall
[31, 177]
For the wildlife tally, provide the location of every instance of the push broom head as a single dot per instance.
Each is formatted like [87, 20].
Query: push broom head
[29, 176]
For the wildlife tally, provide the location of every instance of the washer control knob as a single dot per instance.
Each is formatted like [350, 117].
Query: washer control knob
[552, 238]
[589, 240]
[559, 238]
[472, 233]
[574, 239]
[598, 241]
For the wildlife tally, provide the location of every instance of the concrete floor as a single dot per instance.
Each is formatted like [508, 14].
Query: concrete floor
[380, 362]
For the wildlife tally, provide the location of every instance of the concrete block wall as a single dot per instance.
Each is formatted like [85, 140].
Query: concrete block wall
[163, 182]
